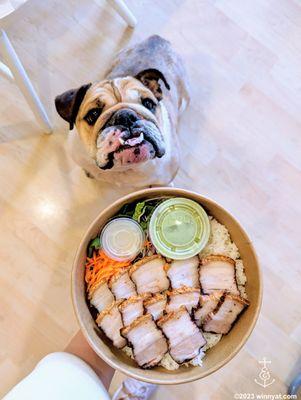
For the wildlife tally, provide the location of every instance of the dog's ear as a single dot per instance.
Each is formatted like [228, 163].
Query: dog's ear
[67, 104]
[150, 78]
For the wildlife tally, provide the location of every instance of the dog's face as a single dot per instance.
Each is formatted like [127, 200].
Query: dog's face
[117, 120]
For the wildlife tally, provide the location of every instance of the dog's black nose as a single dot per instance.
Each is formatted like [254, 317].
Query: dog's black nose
[124, 117]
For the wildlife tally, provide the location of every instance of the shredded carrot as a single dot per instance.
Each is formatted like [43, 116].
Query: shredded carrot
[101, 268]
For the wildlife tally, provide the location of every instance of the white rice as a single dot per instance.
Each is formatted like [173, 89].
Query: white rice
[197, 361]
[219, 243]
[242, 291]
[212, 339]
[241, 278]
[169, 363]
[128, 351]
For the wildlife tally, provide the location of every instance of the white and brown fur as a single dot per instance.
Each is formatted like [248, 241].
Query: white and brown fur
[136, 72]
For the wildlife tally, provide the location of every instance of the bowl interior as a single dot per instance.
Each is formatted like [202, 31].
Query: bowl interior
[216, 357]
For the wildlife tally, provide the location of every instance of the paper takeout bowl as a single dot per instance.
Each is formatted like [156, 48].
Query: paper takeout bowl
[217, 356]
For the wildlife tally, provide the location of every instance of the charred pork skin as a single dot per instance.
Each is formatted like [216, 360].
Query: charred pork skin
[217, 272]
[110, 321]
[149, 344]
[101, 297]
[149, 275]
[185, 296]
[184, 273]
[155, 305]
[122, 286]
[131, 309]
[208, 303]
[184, 337]
[225, 314]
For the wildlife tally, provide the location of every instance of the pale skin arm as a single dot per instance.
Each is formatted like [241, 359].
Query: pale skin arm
[80, 347]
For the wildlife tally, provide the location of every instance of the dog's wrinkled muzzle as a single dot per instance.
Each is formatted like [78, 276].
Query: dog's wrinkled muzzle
[134, 141]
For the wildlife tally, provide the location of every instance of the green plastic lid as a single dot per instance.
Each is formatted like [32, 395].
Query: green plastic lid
[179, 228]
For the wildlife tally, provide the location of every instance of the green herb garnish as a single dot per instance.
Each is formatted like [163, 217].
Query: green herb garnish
[93, 245]
[139, 211]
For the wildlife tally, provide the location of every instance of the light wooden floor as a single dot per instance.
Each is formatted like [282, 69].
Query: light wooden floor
[240, 143]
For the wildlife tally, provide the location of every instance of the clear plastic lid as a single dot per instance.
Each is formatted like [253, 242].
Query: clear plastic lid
[122, 239]
[179, 228]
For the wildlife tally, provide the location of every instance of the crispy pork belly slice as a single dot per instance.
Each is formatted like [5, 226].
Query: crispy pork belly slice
[222, 318]
[110, 321]
[101, 297]
[149, 275]
[208, 303]
[131, 309]
[184, 273]
[122, 286]
[184, 337]
[218, 273]
[185, 296]
[149, 344]
[155, 305]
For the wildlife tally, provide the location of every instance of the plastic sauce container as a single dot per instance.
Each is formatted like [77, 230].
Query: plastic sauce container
[122, 239]
[179, 228]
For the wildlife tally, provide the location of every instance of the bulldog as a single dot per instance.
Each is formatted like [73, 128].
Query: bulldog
[126, 124]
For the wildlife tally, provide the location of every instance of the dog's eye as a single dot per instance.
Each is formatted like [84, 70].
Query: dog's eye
[92, 115]
[149, 104]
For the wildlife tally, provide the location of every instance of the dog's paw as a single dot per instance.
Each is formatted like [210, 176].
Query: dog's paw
[88, 175]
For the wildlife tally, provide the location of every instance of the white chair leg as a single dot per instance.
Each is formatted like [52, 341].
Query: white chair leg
[13, 63]
[6, 72]
[124, 12]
